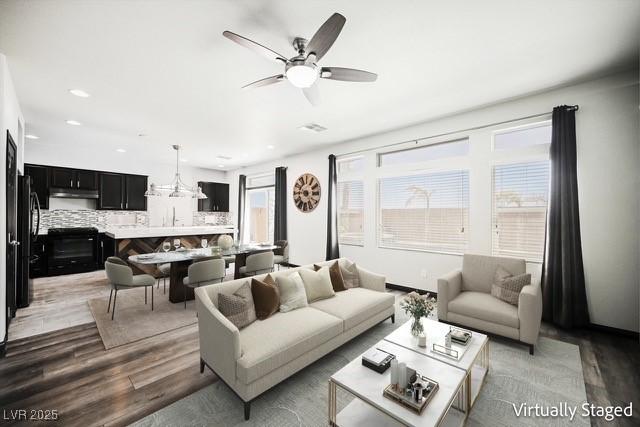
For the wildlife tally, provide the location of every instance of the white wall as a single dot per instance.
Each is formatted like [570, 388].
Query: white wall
[159, 208]
[10, 119]
[608, 151]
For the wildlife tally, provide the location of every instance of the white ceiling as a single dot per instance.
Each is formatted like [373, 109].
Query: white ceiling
[163, 68]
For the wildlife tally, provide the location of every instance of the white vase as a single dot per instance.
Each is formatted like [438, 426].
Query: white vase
[225, 242]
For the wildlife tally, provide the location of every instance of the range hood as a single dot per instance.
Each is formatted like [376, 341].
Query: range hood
[72, 193]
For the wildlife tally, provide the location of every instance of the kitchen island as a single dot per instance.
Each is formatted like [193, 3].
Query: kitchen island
[130, 241]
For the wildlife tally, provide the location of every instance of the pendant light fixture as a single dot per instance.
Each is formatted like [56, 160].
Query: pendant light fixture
[177, 187]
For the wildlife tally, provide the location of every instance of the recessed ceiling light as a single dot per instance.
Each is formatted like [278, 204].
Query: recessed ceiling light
[270, 147]
[74, 123]
[121, 150]
[223, 158]
[220, 166]
[142, 134]
[312, 127]
[31, 136]
[79, 92]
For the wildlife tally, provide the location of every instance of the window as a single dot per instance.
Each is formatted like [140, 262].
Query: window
[350, 200]
[425, 153]
[426, 212]
[260, 208]
[520, 196]
[350, 212]
[523, 136]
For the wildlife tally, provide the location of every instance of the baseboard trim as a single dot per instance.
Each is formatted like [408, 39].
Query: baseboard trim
[3, 347]
[408, 289]
[615, 331]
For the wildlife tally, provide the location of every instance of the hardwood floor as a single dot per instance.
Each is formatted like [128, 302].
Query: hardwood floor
[67, 369]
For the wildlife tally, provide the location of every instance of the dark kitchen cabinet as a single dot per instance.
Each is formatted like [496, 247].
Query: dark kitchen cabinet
[74, 178]
[135, 187]
[62, 178]
[86, 180]
[217, 197]
[111, 191]
[107, 249]
[39, 183]
[38, 258]
[122, 192]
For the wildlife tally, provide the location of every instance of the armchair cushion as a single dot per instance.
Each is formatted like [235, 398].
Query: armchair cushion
[508, 289]
[483, 306]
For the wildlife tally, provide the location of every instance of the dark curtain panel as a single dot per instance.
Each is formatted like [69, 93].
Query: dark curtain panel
[333, 251]
[242, 190]
[280, 211]
[563, 288]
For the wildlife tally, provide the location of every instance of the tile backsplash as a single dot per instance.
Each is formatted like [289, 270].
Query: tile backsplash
[212, 218]
[57, 218]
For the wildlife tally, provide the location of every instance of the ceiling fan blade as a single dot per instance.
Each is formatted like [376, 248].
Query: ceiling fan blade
[265, 82]
[312, 94]
[256, 47]
[347, 74]
[323, 39]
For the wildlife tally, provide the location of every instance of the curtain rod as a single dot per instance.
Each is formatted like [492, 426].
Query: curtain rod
[364, 150]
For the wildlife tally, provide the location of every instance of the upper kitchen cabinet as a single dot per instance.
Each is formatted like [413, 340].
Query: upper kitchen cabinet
[111, 191]
[39, 183]
[217, 197]
[73, 179]
[135, 187]
[122, 192]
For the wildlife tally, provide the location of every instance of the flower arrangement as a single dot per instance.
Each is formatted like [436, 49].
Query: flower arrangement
[418, 306]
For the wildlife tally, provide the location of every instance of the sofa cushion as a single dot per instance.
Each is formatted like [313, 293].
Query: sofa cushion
[238, 307]
[350, 275]
[336, 276]
[268, 344]
[483, 306]
[266, 296]
[478, 271]
[292, 292]
[356, 305]
[317, 284]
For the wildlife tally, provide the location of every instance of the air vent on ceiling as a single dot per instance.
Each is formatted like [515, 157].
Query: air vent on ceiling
[313, 127]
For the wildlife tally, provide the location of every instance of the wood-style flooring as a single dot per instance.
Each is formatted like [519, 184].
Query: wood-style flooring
[67, 368]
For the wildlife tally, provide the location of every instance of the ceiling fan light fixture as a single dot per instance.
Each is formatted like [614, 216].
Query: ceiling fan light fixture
[302, 75]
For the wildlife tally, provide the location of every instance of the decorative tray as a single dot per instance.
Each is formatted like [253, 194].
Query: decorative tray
[429, 389]
[459, 344]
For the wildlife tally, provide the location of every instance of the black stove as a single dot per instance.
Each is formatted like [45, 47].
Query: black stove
[72, 250]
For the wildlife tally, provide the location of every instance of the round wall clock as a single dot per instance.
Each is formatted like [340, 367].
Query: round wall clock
[306, 192]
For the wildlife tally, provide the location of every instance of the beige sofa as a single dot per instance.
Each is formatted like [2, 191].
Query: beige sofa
[464, 298]
[259, 356]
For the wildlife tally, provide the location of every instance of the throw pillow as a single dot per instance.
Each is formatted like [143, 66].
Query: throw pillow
[317, 284]
[508, 290]
[292, 293]
[336, 276]
[266, 296]
[238, 307]
[350, 274]
[501, 274]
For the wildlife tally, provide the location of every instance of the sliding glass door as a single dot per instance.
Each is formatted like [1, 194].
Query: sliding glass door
[259, 214]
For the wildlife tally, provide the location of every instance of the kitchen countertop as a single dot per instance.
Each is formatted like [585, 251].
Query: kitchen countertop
[142, 232]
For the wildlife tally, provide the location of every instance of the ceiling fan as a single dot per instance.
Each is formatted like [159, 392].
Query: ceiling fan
[302, 70]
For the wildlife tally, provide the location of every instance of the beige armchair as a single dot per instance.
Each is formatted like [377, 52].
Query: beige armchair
[464, 298]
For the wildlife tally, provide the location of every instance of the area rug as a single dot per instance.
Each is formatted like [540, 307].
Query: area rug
[134, 319]
[552, 376]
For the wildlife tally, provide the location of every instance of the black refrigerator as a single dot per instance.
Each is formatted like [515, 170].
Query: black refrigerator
[28, 226]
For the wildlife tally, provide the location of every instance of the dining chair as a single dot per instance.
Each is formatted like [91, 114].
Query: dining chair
[281, 254]
[204, 272]
[163, 271]
[121, 277]
[259, 263]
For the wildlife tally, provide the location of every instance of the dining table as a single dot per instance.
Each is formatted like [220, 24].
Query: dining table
[181, 258]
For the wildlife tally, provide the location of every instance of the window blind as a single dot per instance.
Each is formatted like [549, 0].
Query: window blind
[425, 212]
[520, 197]
[351, 212]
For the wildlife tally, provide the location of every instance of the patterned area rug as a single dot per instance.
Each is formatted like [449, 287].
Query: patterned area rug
[552, 376]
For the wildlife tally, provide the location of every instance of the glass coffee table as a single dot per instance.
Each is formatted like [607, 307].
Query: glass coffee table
[473, 358]
[371, 408]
